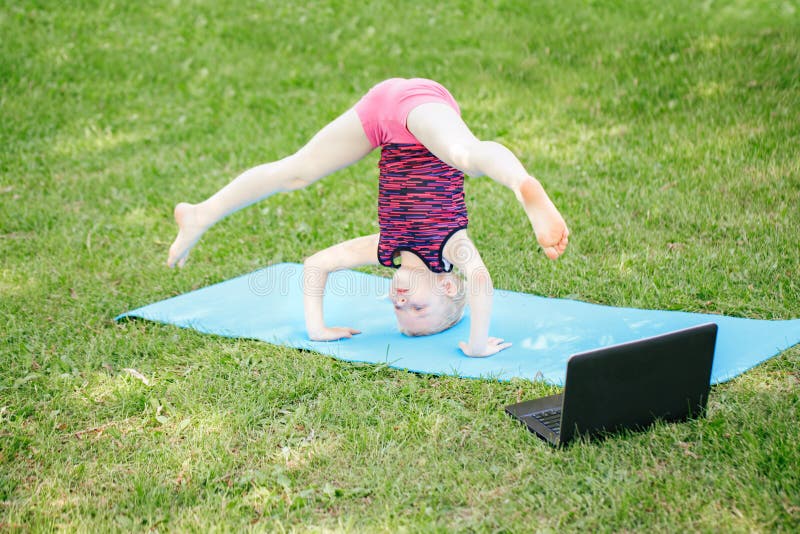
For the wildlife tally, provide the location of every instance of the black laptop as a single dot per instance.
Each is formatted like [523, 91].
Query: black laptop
[627, 386]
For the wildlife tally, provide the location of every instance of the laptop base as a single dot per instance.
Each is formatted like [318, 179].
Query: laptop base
[530, 412]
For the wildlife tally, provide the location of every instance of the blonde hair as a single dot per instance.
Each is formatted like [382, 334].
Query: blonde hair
[454, 309]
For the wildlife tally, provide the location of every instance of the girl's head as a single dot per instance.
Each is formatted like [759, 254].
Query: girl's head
[426, 302]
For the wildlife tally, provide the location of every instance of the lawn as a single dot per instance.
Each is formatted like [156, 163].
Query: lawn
[666, 132]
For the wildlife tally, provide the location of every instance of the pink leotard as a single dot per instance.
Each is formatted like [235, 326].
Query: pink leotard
[384, 109]
[420, 198]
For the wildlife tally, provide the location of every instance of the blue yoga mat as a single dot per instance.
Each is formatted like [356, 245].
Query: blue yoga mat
[268, 305]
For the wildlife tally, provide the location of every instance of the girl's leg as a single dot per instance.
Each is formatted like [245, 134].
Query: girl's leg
[444, 133]
[337, 145]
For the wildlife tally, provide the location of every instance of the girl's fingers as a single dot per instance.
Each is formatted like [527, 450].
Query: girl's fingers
[493, 346]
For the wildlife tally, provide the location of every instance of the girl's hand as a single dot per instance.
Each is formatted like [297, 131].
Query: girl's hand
[332, 333]
[493, 346]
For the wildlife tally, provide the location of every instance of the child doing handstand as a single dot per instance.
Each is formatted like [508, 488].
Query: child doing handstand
[425, 150]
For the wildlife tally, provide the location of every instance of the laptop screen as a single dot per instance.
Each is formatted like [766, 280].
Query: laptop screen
[633, 384]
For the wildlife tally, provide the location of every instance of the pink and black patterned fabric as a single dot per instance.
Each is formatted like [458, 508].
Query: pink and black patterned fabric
[421, 198]
[420, 205]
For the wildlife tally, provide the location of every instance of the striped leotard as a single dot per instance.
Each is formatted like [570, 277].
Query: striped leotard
[420, 205]
[420, 198]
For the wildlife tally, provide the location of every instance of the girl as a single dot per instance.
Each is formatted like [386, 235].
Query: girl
[426, 149]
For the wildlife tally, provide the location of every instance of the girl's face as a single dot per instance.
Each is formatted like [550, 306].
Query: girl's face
[419, 298]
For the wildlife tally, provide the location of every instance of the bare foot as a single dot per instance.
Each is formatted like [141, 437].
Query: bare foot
[189, 231]
[548, 224]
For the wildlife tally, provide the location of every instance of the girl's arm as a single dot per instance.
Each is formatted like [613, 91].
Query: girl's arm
[353, 253]
[479, 294]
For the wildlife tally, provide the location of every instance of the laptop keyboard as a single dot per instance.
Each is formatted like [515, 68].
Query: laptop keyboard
[549, 418]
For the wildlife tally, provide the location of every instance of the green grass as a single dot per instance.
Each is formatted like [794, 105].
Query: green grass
[667, 133]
